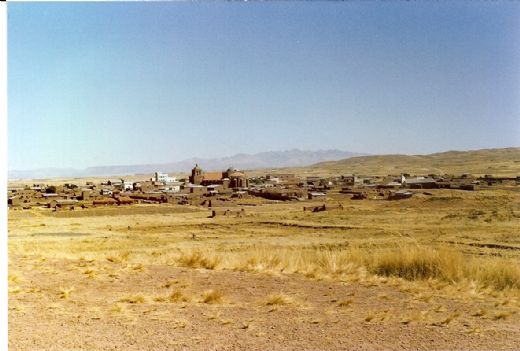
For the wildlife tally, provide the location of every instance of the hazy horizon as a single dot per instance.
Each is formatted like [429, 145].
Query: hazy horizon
[187, 158]
[92, 84]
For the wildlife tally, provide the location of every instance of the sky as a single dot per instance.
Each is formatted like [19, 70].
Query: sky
[149, 82]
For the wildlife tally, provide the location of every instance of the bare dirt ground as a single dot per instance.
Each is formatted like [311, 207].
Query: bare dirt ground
[121, 282]
[375, 317]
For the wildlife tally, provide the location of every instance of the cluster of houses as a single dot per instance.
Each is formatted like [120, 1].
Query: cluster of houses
[214, 188]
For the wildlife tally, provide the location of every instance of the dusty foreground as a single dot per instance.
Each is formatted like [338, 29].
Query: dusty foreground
[277, 278]
[90, 318]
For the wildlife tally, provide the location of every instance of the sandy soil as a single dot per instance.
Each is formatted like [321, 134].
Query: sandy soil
[375, 318]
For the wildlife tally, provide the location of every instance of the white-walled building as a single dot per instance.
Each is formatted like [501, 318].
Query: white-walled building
[164, 178]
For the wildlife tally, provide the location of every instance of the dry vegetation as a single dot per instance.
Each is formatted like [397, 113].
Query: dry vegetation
[499, 162]
[444, 267]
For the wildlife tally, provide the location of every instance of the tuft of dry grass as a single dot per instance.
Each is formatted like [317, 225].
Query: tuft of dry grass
[278, 300]
[369, 317]
[212, 297]
[416, 263]
[13, 278]
[169, 284]
[15, 290]
[414, 317]
[421, 263]
[501, 315]
[133, 299]
[34, 290]
[118, 308]
[160, 299]
[119, 257]
[89, 273]
[450, 318]
[196, 259]
[175, 282]
[479, 313]
[65, 293]
[345, 303]
[138, 267]
[178, 296]
[497, 273]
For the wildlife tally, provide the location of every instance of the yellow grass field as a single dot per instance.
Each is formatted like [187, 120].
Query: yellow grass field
[438, 271]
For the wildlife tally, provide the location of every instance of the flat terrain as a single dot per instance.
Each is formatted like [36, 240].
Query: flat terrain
[436, 271]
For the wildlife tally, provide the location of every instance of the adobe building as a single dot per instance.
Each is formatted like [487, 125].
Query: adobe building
[283, 177]
[231, 178]
[196, 175]
[237, 179]
[348, 179]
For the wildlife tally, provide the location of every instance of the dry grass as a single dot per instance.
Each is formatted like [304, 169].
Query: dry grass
[479, 313]
[414, 251]
[13, 278]
[119, 257]
[369, 317]
[345, 303]
[65, 293]
[421, 263]
[133, 299]
[89, 273]
[413, 263]
[450, 318]
[497, 273]
[15, 290]
[212, 297]
[197, 259]
[178, 296]
[501, 315]
[118, 308]
[278, 300]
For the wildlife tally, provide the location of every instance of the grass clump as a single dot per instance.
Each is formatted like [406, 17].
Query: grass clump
[118, 309]
[345, 303]
[65, 293]
[499, 274]
[450, 318]
[15, 290]
[212, 297]
[133, 299]
[13, 278]
[420, 263]
[119, 258]
[197, 259]
[416, 263]
[178, 296]
[278, 300]
[501, 315]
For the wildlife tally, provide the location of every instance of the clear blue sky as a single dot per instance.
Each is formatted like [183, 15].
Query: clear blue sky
[139, 82]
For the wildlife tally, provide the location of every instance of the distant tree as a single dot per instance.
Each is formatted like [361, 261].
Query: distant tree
[50, 189]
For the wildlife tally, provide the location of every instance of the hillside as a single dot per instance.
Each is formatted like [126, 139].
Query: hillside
[498, 162]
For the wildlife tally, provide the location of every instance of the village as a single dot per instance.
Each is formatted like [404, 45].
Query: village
[232, 187]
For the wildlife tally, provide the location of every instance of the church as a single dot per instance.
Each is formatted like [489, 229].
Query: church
[231, 178]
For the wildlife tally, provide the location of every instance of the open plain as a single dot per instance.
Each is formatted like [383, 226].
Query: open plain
[436, 271]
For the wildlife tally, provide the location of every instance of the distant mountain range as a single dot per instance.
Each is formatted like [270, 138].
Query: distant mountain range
[271, 159]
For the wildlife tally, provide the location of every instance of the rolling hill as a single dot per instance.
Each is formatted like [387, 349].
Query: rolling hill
[498, 162]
